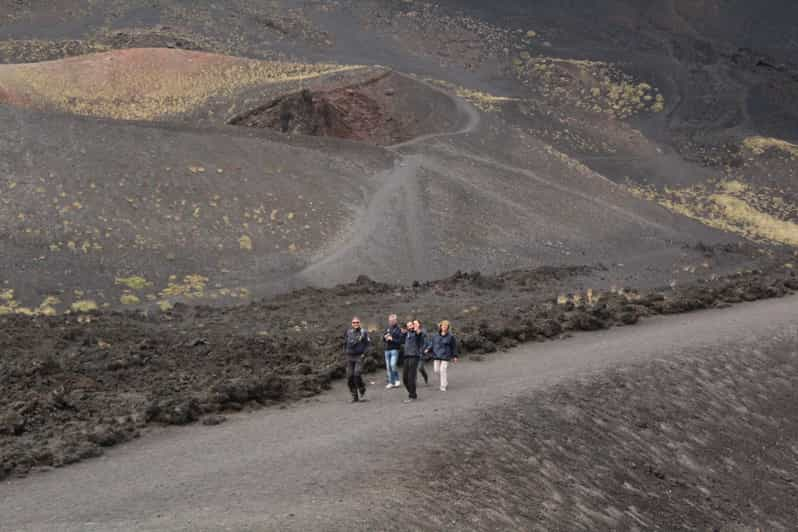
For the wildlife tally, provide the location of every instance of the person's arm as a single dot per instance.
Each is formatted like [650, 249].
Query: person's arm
[427, 344]
[367, 341]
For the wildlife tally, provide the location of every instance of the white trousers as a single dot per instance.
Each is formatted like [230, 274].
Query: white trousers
[440, 367]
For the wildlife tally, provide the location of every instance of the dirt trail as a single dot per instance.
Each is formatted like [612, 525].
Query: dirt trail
[394, 219]
[328, 464]
[391, 216]
[382, 223]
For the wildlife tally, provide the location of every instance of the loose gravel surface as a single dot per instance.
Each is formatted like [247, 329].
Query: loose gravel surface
[683, 422]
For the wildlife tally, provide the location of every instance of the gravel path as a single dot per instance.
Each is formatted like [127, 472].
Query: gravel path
[325, 463]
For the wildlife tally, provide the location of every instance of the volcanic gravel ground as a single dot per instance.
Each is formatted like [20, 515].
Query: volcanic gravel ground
[706, 440]
[560, 135]
[682, 422]
[76, 384]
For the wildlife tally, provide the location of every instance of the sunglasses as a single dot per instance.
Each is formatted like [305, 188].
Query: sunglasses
[354, 322]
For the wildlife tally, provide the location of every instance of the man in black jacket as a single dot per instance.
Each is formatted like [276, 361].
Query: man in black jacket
[356, 343]
[415, 345]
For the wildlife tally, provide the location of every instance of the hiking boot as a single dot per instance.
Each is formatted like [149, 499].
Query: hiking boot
[408, 401]
[354, 399]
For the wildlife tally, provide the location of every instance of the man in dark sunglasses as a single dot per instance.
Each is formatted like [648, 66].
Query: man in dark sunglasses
[356, 343]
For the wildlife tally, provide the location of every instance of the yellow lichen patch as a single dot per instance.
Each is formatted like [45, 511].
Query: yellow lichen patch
[84, 305]
[759, 145]
[758, 214]
[11, 306]
[593, 86]
[46, 311]
[481, 100]
[733, 186]
[47, 307]
[134, 282]
[245, 242]
[192, 286]
[146, 84]
[165, 306]
[129, 299]
[754, 223]
[8, 306]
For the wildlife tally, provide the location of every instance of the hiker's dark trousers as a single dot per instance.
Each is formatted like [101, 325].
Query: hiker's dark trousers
[409, 375]
[423, 370]
[353, 368]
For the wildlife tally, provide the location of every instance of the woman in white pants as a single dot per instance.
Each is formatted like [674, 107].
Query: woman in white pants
[443, 349]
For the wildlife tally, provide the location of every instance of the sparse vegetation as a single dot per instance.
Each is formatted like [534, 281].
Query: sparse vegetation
[134, 282]
[730, 205]
[759, 145]
[84, 305]
[132, 85]
[593, 86]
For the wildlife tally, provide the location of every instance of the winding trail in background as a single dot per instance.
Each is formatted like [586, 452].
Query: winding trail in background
[391, 214]
[327, 464]
[393, 220]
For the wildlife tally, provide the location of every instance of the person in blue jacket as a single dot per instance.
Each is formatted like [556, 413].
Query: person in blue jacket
[443, 348]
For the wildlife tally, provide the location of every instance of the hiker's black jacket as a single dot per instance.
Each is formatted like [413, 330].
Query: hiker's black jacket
[356, 342]
[415, 344]
[397, 338]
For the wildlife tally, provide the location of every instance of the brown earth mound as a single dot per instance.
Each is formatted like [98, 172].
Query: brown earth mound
[371, 112]
[76, 384]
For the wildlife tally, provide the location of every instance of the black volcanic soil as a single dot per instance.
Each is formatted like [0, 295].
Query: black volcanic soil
[705, 440]
[202, 210]
[74, 385]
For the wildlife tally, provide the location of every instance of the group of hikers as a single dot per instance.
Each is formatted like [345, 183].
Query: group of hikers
[411, 343]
